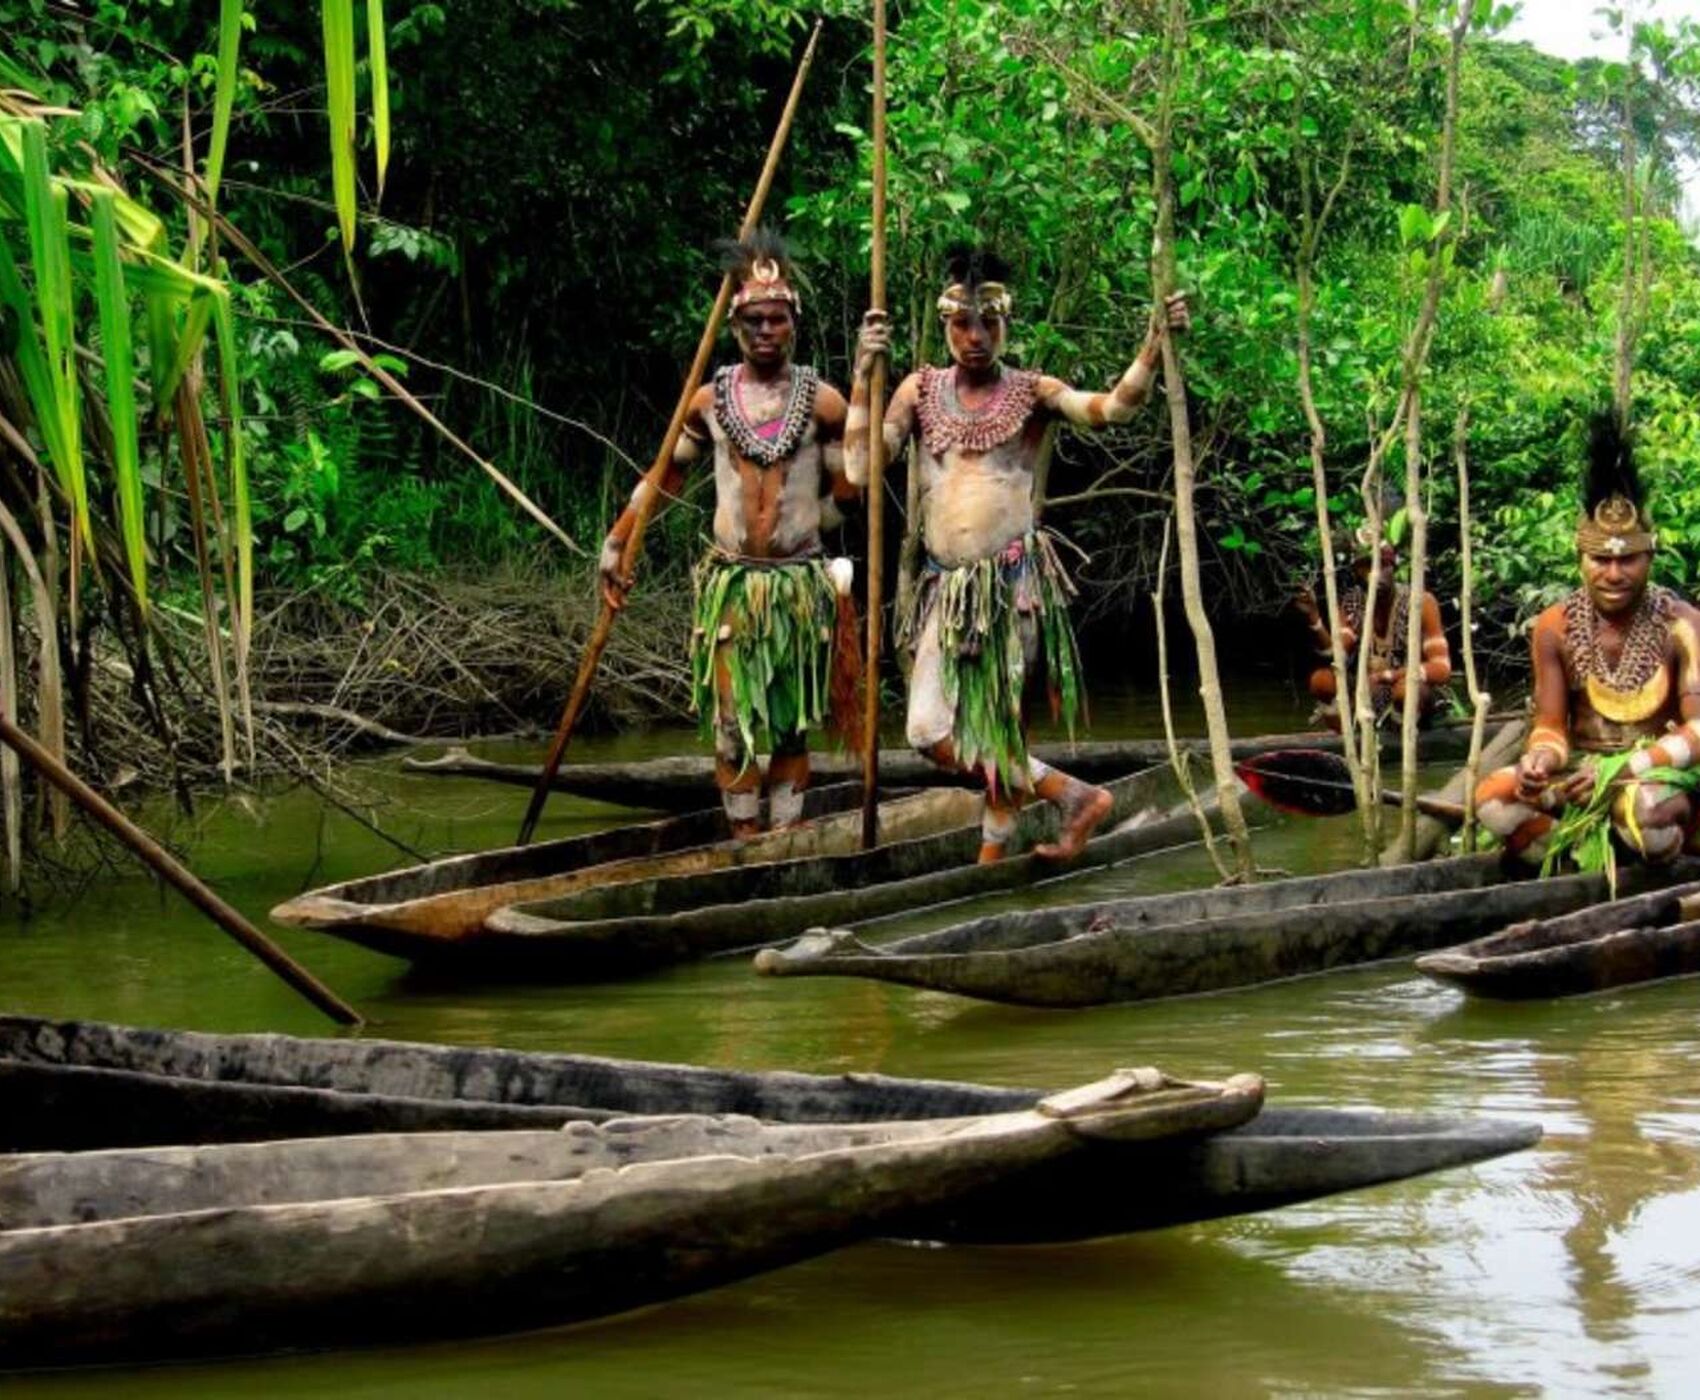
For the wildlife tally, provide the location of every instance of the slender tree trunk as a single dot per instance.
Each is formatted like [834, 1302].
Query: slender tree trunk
[1415, 361]
[1177, 760]
[1416, 515]
[1624, 359]
[1480, 700]
[1174, 388]
[1310, 239]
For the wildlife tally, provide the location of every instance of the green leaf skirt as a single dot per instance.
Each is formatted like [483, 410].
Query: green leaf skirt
[773, 626]
[983, 650]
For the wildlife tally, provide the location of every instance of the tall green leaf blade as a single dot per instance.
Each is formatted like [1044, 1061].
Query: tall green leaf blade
[338, 18]
[224, 91]
[31, 358]
[378, 57]
[113, 299]
[241, 511]
[50, 257]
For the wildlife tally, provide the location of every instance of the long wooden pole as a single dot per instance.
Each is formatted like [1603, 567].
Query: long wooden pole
[876, 463]
[648, 500]
[174, 871]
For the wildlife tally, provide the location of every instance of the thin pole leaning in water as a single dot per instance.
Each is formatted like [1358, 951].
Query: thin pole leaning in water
[179, 875]
[648, 500]
[876, 463]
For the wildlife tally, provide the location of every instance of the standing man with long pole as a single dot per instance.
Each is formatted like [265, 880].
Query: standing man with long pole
[876, 460]
[632, 543]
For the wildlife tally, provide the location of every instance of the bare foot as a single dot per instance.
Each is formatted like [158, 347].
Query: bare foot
[1083, 809]
[991, 852]
[745, 831]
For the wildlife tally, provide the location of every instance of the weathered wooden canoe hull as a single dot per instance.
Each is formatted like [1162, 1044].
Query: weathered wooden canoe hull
[643, 925]
[450, 898]
[1616, 944]
[1166, 945]
[84, 1084]
[475, 1258]
[679, 784]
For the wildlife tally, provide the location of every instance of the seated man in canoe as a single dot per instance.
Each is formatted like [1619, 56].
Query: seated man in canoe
[992, 608]
[1617, 692]
[1386, 641]
[774, 647]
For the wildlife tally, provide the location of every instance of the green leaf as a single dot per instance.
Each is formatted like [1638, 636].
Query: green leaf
[1413, 225]
[224, 91]
[337, 17]
[113, 298]
[378, 57]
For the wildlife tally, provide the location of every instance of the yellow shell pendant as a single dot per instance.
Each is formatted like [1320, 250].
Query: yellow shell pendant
[1630, 706]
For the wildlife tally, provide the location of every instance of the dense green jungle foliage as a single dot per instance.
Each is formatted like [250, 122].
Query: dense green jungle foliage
[538, 261]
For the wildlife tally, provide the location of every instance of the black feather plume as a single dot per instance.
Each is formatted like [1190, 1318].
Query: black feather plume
[1611, 463]
[740, 255]
[970, 266]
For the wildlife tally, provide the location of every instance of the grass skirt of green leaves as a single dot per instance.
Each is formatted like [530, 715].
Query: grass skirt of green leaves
[1582, 835]
[774, 626]
[982, 658]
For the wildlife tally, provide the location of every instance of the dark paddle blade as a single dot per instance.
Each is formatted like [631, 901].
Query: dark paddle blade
[1308, 782]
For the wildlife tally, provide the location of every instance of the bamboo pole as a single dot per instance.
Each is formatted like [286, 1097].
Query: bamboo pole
[876, 463]
[647, 501]
[172, 870]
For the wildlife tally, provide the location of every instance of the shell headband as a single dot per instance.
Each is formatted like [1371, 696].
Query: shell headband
[983, 299]
[1617, 527]
[766, 282]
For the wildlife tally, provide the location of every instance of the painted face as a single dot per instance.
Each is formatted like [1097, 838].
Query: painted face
[1615, 582]
[765, 331]
[975, 338]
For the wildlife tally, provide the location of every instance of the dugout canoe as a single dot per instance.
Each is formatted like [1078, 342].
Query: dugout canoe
[92, 1085]
[1198, 941]
[683, 783]
[170, 1252]
[1643, 938]
[644, 925]
[643, 922]
[451, 898]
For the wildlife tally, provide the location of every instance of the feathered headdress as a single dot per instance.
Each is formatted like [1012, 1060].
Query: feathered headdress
[975, 281]
[1614, 520]
[761, 269]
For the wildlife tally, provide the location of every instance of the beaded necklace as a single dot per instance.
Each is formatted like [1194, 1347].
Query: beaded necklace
[1643, 645]
[946, 424]
[799, 413]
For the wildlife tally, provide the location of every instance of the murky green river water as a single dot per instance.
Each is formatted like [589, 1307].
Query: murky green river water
[1573, 1269]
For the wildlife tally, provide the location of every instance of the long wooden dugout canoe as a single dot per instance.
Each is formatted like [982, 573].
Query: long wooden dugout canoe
[637, 925]
[680, 784]
[133, 1255]
[1644, 938]
[451, 898]
[88, 1085]
[1196, 941]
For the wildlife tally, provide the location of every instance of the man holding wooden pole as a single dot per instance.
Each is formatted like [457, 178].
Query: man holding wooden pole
[991, 611]
[774, 650]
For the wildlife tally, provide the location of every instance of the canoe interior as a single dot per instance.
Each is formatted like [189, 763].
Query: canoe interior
[56, 1188]
[955, 842]
[70, 1083]
[1036, 927]
[519, 865]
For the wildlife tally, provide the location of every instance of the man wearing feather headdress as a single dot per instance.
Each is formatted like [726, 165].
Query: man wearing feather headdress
[774, 648]
[992, 607]
[1617, 689]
